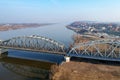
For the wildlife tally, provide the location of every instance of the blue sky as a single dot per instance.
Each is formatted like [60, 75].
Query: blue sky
[42, 11]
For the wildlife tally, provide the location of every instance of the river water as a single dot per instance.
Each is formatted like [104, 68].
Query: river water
[24, 65]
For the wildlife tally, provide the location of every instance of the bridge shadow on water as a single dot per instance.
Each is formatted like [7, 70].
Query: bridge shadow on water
[29, 65]
[28, 69]
[94, 61]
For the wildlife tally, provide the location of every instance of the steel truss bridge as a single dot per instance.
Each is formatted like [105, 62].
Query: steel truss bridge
[34, 43]
[108, 49]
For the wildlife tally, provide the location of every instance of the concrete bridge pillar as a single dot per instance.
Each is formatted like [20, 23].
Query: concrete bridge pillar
[67, 58]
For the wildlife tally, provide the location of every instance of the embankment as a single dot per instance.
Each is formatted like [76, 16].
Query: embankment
[85, 71]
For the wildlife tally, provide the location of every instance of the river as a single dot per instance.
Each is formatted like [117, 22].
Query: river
[24, 65]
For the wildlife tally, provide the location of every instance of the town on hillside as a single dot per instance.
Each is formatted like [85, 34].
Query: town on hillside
[96, 28]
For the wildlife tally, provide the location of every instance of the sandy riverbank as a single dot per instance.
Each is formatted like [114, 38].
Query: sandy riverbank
[6, 27]
[85, 71]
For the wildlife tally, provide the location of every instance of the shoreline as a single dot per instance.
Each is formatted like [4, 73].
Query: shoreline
[85, 70]
[8, 27]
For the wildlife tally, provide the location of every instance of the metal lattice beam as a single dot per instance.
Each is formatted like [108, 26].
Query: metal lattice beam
[34, 43]
[108, 49]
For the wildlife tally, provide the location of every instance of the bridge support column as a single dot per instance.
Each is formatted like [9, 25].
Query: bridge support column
[67, 58]
[3, 52]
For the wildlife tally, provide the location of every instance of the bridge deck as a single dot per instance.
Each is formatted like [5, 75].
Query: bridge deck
[34, 50]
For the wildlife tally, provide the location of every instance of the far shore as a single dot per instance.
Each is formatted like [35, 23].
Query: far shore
[7, 27]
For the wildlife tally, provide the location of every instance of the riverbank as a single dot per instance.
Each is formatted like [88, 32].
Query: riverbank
[85, 71]
[14, 26]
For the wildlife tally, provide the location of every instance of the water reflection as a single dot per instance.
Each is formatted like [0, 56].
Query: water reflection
[27, 68]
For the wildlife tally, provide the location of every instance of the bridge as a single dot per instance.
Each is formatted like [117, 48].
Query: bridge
[108, 49]
[34, 43]
[104, 49]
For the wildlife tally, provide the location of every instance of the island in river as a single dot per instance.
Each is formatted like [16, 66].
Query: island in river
[14, 26]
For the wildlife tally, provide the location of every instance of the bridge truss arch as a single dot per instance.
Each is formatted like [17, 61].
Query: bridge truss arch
[34, 43]
[108, 49]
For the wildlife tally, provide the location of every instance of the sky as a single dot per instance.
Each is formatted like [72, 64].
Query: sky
[55, 11]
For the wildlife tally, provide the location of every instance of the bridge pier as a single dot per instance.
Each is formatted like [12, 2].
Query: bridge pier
[3, 52]
[67, 58]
